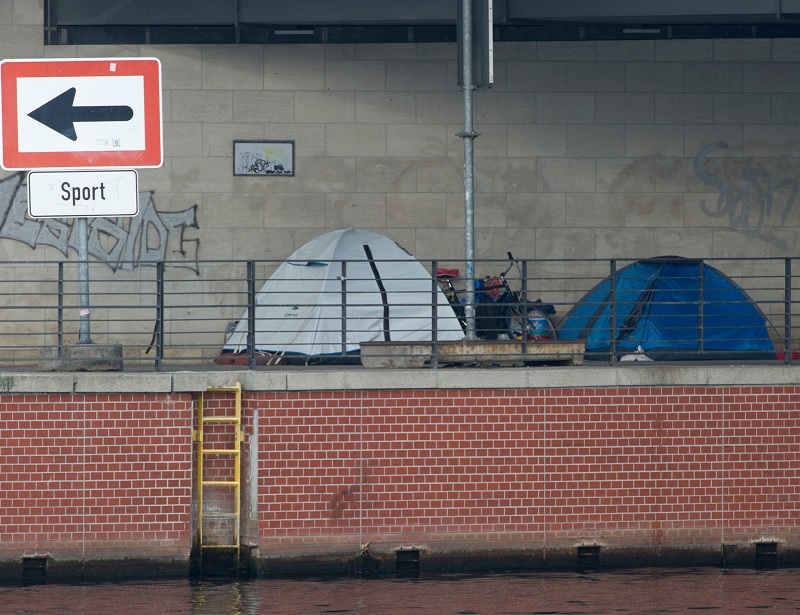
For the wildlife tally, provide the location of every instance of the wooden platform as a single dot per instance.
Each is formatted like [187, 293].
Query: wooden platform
[470, 352]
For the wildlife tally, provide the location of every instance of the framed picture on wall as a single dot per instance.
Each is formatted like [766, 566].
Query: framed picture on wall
[267, 158]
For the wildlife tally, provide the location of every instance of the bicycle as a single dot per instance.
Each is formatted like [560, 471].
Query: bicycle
[499, 310]
[529, 320]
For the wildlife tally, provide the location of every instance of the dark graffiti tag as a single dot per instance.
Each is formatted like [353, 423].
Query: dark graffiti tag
[257, 165]
[749, 204]
[121, 243]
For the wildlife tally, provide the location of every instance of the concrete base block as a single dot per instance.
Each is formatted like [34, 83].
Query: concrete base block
[82, 358]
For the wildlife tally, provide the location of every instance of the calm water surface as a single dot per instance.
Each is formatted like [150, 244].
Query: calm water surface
[630, 592]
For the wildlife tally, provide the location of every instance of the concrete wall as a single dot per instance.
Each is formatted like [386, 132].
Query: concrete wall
[587, 150]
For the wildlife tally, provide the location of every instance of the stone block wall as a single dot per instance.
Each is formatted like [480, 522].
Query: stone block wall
[587, 150]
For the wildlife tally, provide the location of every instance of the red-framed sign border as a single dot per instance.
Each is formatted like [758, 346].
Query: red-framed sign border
[152, 156]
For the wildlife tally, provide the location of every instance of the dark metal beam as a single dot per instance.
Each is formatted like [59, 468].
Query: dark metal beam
[83, 22]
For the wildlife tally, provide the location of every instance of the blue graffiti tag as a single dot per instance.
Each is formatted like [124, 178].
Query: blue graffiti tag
[749, 205]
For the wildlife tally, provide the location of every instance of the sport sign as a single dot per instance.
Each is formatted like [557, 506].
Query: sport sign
[80, 113]
[83, 194]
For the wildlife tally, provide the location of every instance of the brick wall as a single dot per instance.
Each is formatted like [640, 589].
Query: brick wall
[643, 468]
[95, 476]
[109, 477]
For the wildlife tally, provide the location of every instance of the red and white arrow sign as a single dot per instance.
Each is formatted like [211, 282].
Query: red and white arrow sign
[81, 114]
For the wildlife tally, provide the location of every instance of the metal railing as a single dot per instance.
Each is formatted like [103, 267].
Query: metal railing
[168, 316]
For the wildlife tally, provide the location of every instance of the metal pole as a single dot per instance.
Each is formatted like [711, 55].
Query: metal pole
[468, 135]
[434, 316]
[344, 306]
[251, 314]
[83, 279]
[160, 305]
[60, 310]
[787, 311]
[612, 314]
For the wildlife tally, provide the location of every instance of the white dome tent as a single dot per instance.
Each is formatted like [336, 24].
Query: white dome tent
[309, 310]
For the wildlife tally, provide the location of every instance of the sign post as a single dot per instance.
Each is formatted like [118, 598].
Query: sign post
[84, 336]
[82, 194]
[81, 114]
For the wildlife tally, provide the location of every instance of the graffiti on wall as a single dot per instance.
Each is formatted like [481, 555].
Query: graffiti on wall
[750, 200]
[121, 243]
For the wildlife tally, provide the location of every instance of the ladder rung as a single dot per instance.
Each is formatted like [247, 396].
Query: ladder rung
[219, 546]
[219, 483]
[222, 451]
[221, 419]
[223, 389]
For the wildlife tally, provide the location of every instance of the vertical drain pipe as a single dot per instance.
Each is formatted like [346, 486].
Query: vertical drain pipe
[544, 472]
[361, 469]
[253, 479]
[84, 454]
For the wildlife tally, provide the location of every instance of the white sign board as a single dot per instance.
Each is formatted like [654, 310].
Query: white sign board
[83, 194]
[65, 121]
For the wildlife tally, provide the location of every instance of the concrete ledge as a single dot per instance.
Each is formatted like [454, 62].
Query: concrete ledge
[81, 358]
[35, 383]
[122, 383]
[334, 378]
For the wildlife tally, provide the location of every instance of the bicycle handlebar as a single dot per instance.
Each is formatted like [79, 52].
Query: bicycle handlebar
[510, 265]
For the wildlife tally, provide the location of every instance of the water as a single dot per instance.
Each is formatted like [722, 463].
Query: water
[727, 592]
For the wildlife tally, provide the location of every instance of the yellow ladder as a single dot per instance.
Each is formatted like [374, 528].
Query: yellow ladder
[219, 438]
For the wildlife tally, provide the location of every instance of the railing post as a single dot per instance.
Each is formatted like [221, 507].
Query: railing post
[60, 314]
[612, 313]
[251, 314]
[434, 315]
[343, 279]
[523, 309]
[160, 302]
[787, 315]
[700, 304]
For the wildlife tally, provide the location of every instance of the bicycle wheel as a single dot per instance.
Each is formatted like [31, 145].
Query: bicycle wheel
[531, 323]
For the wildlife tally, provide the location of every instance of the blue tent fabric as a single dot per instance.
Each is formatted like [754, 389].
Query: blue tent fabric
[671, 308]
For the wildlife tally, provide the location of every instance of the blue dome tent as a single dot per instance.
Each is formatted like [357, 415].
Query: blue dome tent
[670, 308]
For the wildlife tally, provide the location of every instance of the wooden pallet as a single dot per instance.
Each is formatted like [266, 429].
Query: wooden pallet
[471, 352]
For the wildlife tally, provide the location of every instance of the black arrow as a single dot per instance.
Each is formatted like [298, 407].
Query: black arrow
[60, 113]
